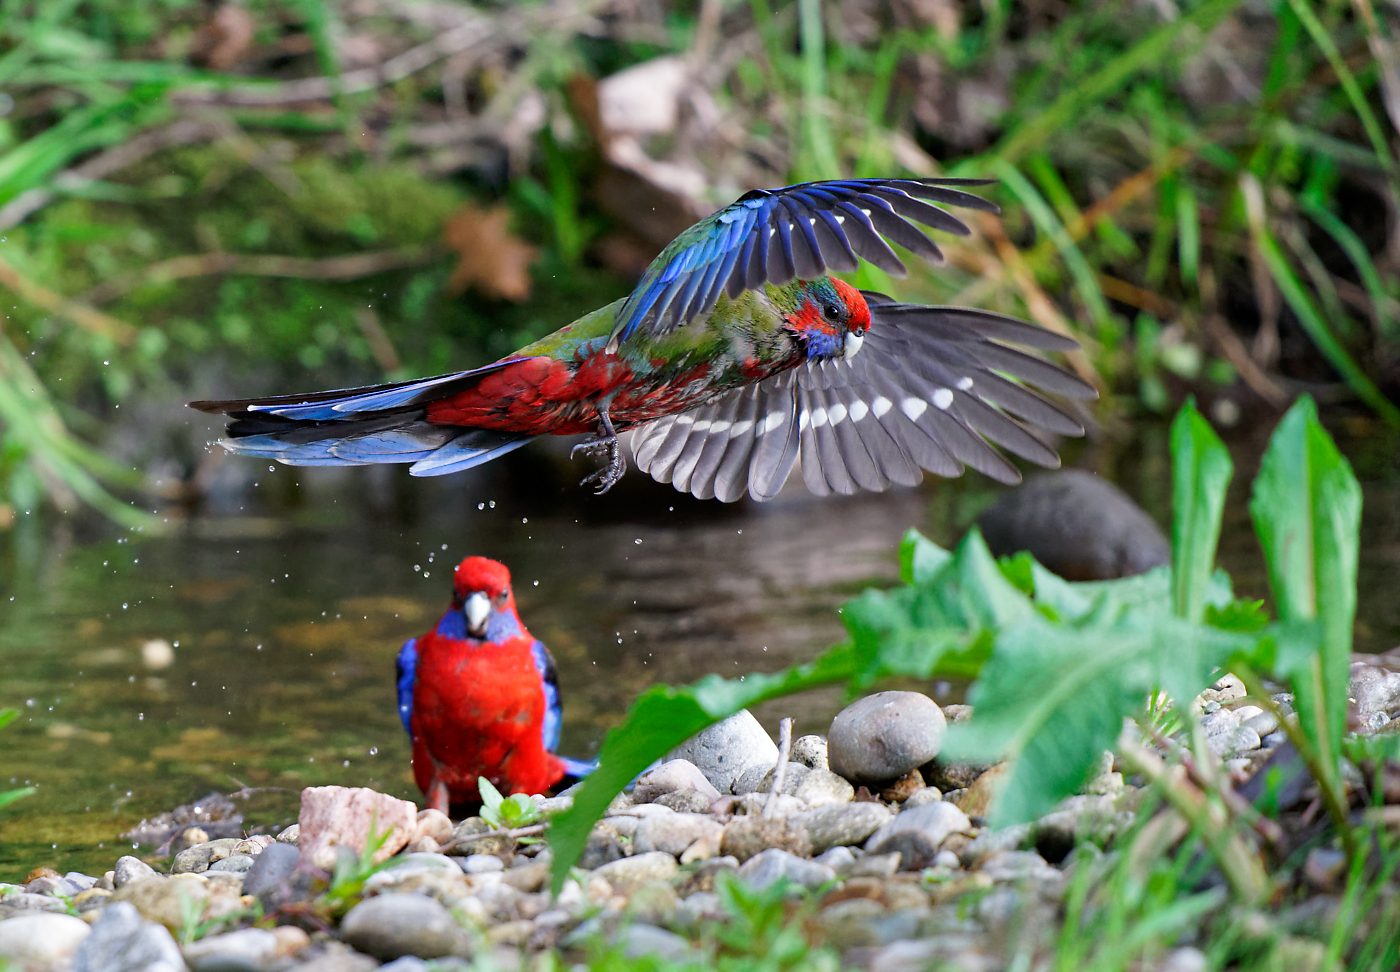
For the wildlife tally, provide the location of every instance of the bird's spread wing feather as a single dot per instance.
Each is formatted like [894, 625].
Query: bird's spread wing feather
[406, 667]
[933, 389]
[774, 235]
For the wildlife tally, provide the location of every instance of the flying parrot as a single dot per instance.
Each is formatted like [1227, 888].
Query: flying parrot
[478, 696]
[735, 355]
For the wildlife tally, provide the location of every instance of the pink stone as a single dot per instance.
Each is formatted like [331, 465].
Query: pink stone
[342, 816]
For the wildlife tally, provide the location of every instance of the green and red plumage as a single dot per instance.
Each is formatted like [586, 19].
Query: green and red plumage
[735, 355]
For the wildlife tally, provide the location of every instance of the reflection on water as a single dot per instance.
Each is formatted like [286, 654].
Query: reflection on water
[284, 628]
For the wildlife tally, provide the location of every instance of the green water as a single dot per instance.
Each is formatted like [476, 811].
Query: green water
[285, 624]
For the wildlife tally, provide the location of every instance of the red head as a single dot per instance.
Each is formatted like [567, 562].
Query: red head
[831, 318]
[481, 589]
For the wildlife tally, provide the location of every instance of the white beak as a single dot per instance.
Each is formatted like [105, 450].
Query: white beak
[853, 343]
[477, 609]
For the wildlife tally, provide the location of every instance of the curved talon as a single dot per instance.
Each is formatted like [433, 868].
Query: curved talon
[606, 440]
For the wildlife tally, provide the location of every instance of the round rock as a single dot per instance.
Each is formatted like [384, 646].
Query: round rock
[393, 925]
[884, 736]
[723, 751]
[40, 940]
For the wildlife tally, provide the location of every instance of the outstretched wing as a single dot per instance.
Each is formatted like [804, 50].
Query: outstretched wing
[934, 388]
[406, 669]
[801, 231]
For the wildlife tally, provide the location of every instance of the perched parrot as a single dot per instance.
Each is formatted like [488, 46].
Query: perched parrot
[735, 356]
[479, 696]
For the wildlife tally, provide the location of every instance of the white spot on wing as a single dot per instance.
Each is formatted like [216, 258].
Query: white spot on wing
[964, 383]
[943, 398]
[880, 406]
[837, 415]
[859, 410]
[913, 407]
[818, 418]
[803, 420]
[740, 427]
[773, 420]
[719, 426]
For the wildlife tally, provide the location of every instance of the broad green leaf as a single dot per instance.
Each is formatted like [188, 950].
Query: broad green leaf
[920, 558]
[659, 721]
[1307, 513]
[1201, 471]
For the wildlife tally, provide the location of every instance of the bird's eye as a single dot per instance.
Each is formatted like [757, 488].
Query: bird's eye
[832, 311]
[503, 595]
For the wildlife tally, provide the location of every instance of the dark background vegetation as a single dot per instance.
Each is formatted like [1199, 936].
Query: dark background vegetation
[203, 198]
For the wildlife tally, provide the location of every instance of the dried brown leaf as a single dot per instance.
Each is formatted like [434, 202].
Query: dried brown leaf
[491, 259]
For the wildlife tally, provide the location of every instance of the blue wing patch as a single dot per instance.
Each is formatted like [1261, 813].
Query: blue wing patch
[553, 708]
[799, 231]
[407, 669]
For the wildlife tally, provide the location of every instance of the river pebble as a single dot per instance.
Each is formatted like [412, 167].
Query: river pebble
[917, 834]
[841, 824]
[725, 750]
[773, 865]
[630, 873]
[41, 940]
[884, 736]
[671, 776]
[392, 925]
[130, 869]
[123, 941]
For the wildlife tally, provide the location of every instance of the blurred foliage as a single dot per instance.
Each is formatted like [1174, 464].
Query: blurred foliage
[1203, 192]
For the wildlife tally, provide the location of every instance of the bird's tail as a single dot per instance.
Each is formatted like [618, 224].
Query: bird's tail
[576, 769]
[360, 426]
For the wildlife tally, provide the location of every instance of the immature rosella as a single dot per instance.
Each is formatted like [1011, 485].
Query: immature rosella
[479, 696]
[734, 356]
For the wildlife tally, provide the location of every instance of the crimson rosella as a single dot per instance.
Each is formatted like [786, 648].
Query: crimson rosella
[734, 356]
[479, 696]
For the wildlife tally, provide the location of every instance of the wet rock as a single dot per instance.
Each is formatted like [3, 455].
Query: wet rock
[130, 869]
[773, 865]
[841, 824]
[245, 950]
[747, 836]
[675, 833]
[392, 925]
[726, 749]
[197, 858]
[337, 816]
[810, 751]
[40, 940]
[123, 941]
[271, 871]
[630, 873]
[917, 834]
[671, 776]
[821, 786]
[1078, 525]
[884, 736]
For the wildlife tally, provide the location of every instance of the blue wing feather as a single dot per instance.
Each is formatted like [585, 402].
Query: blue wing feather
[406, 667]
[774, 235]
[553, 708]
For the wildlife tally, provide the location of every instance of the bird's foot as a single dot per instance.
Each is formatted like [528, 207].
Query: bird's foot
[438, 796]
[606, 478]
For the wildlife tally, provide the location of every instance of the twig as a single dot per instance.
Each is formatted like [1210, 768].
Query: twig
[779, 771]
[348, 267]
[104, 164]
[530, 831]
[89, 319]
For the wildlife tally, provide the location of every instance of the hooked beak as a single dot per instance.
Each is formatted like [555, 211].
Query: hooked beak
[477, 609]
[853, 343]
